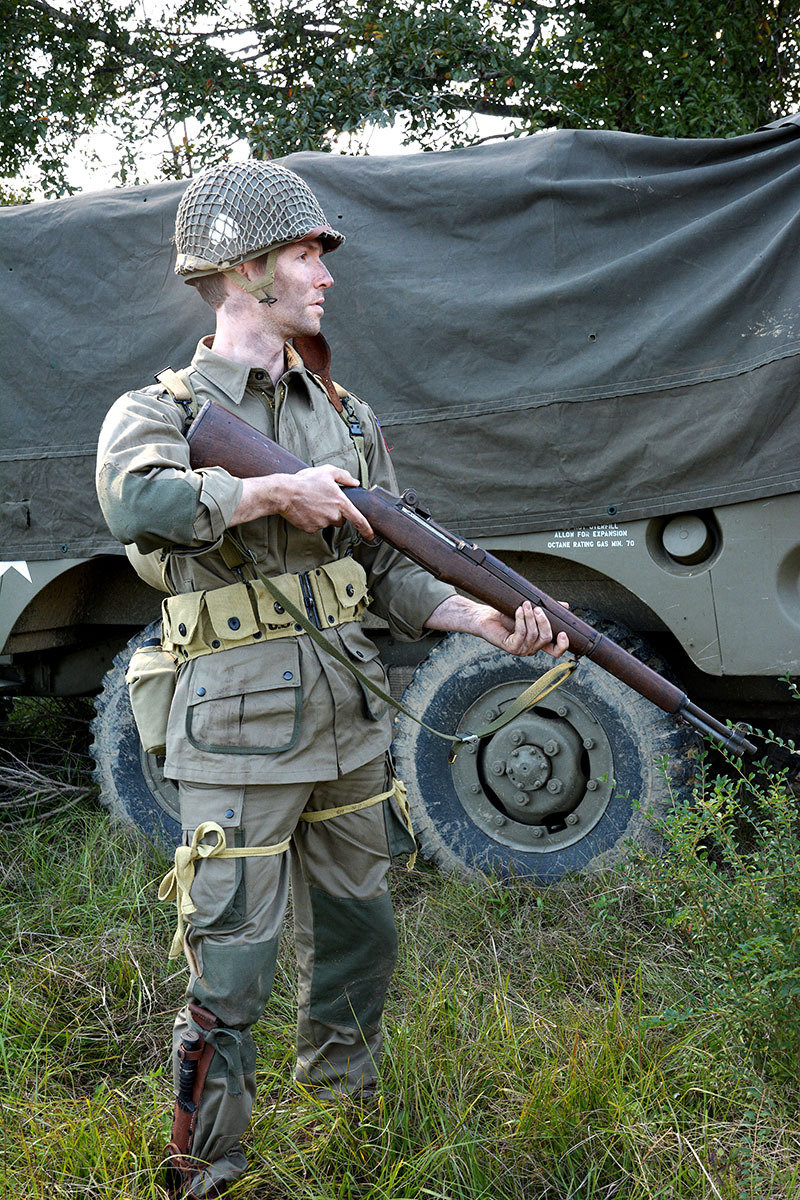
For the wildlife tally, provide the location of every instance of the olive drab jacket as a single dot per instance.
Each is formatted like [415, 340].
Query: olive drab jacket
[279, 709]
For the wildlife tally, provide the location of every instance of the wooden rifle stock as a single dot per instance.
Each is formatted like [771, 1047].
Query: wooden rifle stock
[218, 438]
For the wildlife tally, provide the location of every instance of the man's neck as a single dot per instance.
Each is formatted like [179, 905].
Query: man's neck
[254, 347]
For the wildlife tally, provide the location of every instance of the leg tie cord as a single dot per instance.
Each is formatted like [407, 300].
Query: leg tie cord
[397, 792]
[176, 884]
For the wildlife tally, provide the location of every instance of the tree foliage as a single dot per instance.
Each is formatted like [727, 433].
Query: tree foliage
[283, 75]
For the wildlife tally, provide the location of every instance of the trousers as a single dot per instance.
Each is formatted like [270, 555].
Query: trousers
[345, 939]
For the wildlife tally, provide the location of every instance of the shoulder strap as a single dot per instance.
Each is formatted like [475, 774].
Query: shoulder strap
[180, 389]
[316, 355]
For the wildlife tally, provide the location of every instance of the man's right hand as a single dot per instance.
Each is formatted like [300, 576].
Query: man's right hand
[310, 500]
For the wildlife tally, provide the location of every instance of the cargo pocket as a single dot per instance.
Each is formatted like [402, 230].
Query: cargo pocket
[365, 656]
[252, 707]
[217, 890]
[399, 832]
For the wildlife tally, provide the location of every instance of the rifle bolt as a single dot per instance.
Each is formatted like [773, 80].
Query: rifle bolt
[572, 819]
[498, 766]
[554, 786]
[563, 711]
[551, 748]
[588, 743]
[517, 737]
[592, 785]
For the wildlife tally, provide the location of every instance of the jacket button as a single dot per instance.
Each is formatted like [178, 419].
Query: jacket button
[233, 622]
[182, 629]
[288, 675]
[257, 634]
[201, 691]
[299, 628]
[359, 654]
[350, 589]
[215, 644]
[278, 607]
[332, 620]
[229, 813]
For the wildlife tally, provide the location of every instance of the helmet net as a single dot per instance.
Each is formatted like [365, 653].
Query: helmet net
[239, 210]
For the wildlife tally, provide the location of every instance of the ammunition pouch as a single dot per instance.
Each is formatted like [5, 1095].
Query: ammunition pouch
[151, 678]
[239, 614]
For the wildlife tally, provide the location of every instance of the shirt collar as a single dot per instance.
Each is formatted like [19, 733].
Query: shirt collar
[232, 377]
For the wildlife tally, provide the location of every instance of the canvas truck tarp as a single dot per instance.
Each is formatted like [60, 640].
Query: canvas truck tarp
[553, 330]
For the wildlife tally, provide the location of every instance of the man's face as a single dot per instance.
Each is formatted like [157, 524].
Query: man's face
[301, 280]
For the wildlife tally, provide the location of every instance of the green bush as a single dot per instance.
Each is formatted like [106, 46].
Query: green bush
[729, 882]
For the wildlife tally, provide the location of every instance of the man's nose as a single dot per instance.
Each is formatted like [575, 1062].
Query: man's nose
[324, 279]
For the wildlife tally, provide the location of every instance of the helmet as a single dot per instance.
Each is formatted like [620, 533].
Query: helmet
[241, 210]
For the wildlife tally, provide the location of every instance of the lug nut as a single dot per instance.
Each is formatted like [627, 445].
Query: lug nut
[475, 789]
[499, 821]
[572, 819]
[515, 753]
[493, 714]
[554, 786]
[523, 800]
[592, 785]
[563, 711]
[537, 831]
[517, 737]
[588, 743]
[551, 748]
[498, 766]
[472, 748]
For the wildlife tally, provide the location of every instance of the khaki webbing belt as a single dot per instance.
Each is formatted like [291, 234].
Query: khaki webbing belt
[177, 883]
[239, 614]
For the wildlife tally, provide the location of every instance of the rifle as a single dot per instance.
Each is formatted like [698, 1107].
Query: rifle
[218, 438]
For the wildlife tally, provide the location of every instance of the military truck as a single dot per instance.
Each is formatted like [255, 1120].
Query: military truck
[584, 349]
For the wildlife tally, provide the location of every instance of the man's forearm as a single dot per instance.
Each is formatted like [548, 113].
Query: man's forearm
[528, 633]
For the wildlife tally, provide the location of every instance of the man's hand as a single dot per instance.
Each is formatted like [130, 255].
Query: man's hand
[528, 633]
[310, 500]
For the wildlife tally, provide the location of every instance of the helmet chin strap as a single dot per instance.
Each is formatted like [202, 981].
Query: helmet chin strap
[262, 287]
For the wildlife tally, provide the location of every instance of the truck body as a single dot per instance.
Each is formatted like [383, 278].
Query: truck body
[584, 351]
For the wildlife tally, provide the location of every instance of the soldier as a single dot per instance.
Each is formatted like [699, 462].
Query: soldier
[281, 756]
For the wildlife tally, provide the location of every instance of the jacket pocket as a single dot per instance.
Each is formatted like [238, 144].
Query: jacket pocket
[251, 705]
[364, 654]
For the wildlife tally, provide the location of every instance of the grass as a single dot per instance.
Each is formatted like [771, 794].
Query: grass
[633, 1036]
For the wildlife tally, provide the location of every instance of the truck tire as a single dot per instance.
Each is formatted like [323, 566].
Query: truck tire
[132, 783]
[561, 789]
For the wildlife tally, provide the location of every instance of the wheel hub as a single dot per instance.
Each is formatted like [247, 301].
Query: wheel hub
[544, 780]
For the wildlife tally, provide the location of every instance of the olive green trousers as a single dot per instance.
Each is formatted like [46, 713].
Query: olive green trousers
[344, 932]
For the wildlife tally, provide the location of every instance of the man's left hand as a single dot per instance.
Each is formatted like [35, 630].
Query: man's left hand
[528, 633]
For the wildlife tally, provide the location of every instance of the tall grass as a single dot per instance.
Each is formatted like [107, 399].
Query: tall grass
[627, 1036]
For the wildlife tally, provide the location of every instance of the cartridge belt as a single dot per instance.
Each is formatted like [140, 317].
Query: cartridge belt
[239, 614]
